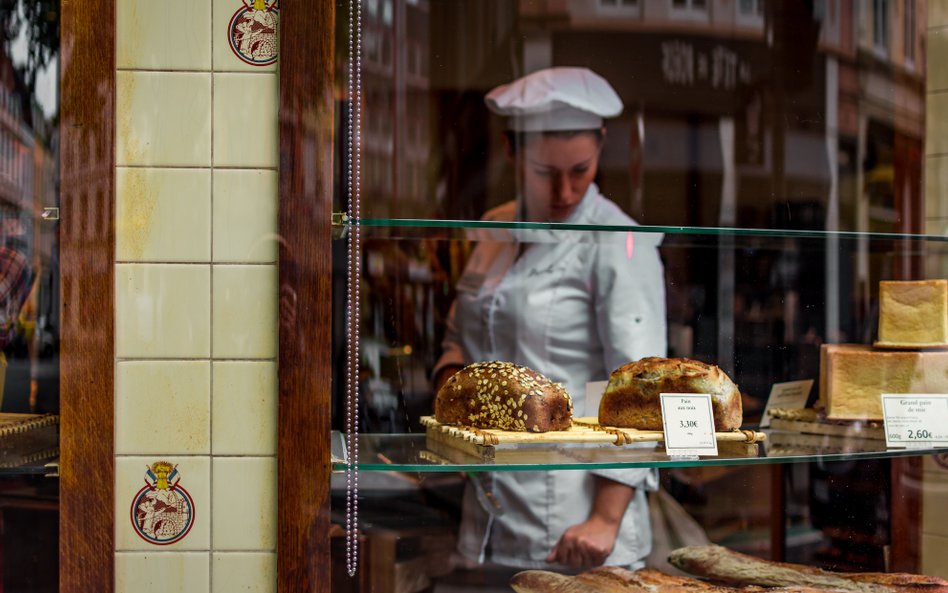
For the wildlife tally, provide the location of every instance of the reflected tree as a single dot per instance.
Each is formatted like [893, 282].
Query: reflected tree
[39, 21]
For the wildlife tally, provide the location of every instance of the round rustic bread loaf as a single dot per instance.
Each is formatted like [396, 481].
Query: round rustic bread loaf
[631, 399]
[505, 396]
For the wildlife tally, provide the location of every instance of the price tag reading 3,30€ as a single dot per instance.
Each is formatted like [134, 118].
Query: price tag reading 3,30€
[915, 419]
[689, 424]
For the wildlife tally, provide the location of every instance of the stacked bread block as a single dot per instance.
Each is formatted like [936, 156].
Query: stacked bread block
[911, 355]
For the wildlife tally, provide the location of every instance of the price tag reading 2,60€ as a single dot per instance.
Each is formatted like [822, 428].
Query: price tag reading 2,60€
[689, 424]
[913, 419]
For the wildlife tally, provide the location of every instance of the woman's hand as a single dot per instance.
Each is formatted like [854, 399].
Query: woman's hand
[589, 543]
[585, 545]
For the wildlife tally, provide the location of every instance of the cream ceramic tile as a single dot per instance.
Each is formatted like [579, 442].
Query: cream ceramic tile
[245, 503]
[937, 62]
[162, 311]
[163, 119]
[245, 120]
[163, 214]
[934, 556]
[935, 503]
[225, 54]
[162, 407]
[937, 467]
[244, 404]
[245, 311]
[937, 13]
[245, 216]
[241, 572]
[169, 35]
[936, 124]
[177, 572]
[193, 489]
[936, 190]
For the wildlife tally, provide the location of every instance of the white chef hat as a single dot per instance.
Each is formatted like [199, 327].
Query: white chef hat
[555, 99]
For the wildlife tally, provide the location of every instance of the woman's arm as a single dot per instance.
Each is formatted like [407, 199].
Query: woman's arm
[589, 543]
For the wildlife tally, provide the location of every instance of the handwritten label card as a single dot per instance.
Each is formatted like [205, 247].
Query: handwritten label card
[789, 395]
[689, 424]
[915, 419]
[594, 391]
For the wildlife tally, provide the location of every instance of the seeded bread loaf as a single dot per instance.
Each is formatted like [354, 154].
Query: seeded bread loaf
[631, 399]
[505, 396]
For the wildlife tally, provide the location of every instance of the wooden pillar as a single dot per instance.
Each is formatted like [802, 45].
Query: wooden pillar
[87, 267]
[306, 120]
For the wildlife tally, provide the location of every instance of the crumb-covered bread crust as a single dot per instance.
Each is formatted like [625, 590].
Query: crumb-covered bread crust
[503, 395]
[631, 399]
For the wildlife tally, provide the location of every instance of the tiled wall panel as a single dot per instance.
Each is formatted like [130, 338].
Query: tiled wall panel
[163, 407]
[195, 478]
[169, 35]
[162, 311]
[934, 528]
[196, 306]
[244, 408]
[163, 119]
[244, 572]
[934, 561]
[157, 572]
[148, 222]
[245, 216]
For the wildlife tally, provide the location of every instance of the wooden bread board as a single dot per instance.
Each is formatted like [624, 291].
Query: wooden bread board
[797, 443]
[808, 421]
[586, 430]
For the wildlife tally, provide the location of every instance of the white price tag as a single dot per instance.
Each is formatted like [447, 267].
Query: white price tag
[792, 395]
[594, 391]
[689, 424]
[915, 418]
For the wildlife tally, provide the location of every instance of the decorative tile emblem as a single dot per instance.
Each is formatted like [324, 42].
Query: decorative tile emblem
[252, 32]
[162, 511]
[941, 459]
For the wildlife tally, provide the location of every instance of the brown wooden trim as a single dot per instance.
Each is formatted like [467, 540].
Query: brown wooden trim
[906, 514]
[778, 513]
[87, 248]
[305, 363]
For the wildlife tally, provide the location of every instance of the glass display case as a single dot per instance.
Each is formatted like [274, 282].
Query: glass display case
[769, 167]
[30, 319]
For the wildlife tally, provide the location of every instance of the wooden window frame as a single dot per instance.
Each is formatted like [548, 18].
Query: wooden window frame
[87, 270]
[306, 124]
[306, 121]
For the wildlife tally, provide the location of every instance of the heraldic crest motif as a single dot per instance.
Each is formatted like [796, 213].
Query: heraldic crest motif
[252, 32]
[162, 511]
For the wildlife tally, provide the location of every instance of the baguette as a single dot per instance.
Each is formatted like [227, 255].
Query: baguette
[734, 568]
[594, 581]
[611, 579]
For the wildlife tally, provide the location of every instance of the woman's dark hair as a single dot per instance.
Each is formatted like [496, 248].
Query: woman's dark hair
[519, 139]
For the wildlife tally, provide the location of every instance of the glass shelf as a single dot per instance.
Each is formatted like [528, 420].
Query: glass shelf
[413, 453]
[417, 227]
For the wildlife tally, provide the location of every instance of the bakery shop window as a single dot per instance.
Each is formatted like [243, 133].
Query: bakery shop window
[568, 211]
[30, 325]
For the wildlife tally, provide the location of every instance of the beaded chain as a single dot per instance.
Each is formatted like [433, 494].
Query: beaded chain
[353, 316]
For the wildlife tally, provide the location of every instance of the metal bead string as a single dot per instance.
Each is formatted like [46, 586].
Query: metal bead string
[353, 310]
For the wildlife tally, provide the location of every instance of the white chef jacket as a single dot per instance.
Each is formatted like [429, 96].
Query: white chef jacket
[574, 306]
